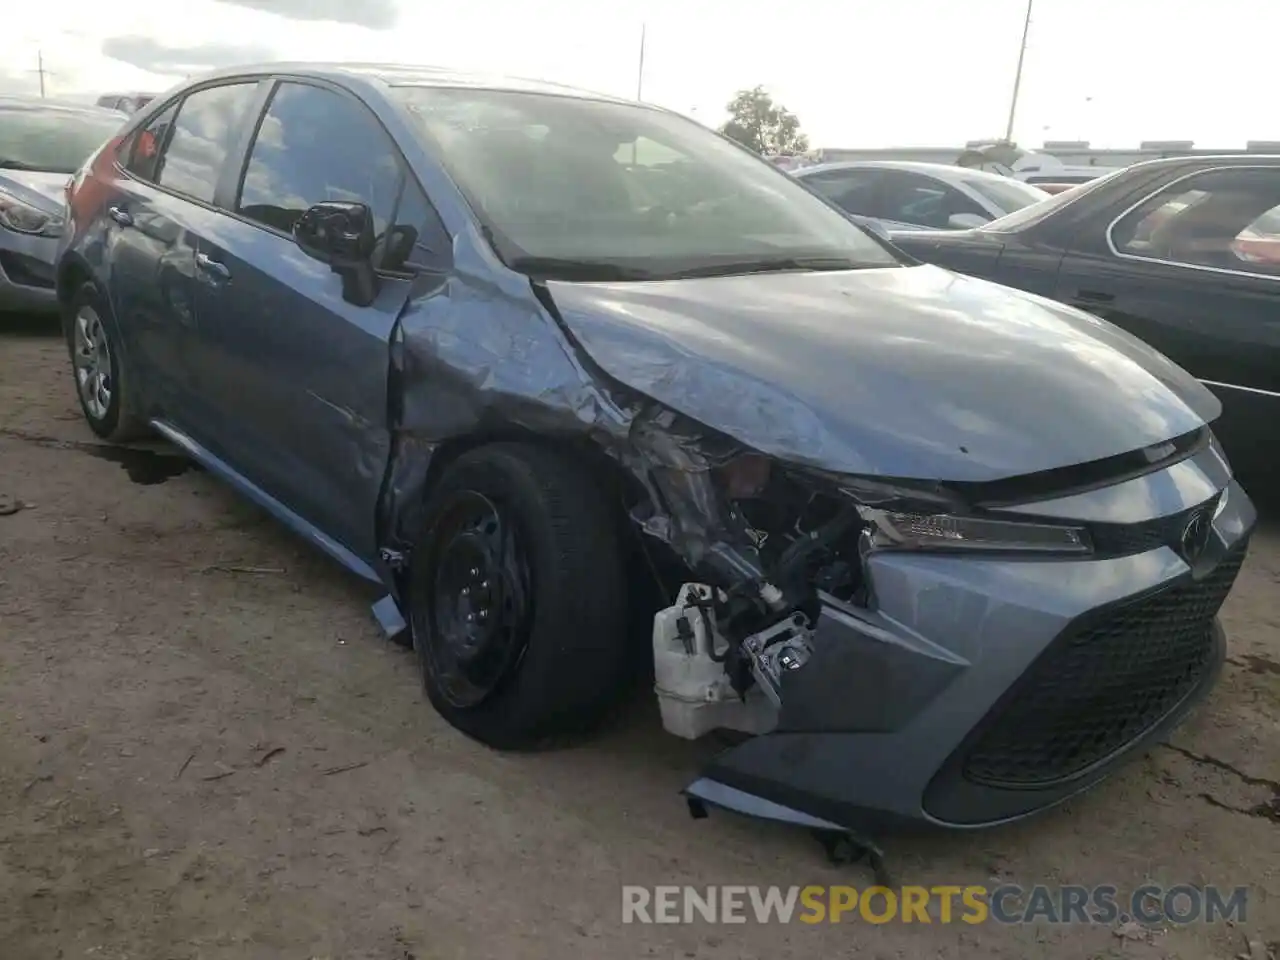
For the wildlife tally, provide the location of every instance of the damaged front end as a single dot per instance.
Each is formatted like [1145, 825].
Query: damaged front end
[859, 621]
[906, 652]
[762, 543]
[772, 544]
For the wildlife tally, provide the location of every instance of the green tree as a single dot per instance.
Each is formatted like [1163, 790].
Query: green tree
[759, 124]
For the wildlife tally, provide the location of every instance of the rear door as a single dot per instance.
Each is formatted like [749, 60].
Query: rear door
[297, 373]
[160, 208]
[1184, 270]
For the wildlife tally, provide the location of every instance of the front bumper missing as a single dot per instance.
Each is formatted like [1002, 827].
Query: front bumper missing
[904, 715]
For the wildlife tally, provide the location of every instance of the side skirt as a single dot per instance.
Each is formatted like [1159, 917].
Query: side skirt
[385, 611]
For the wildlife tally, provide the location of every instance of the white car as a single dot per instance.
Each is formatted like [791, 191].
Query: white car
[906, 195]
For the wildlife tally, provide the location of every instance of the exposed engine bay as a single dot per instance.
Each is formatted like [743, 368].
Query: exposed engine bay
[721, 649]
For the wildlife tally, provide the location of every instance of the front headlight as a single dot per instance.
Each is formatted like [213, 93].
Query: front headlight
[897, 530]
[22, 217]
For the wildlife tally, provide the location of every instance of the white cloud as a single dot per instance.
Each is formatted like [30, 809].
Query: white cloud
[857, 72]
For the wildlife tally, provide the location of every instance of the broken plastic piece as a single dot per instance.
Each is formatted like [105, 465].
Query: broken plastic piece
[717, 794]
[387, 612]
[787, 645]
[843, 848]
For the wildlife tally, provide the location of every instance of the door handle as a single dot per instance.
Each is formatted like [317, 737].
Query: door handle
[120, 215]
[209, 265]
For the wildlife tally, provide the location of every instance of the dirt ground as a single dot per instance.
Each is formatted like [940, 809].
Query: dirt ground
[208, 751]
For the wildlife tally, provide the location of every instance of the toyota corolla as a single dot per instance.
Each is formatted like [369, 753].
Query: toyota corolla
[546, 364]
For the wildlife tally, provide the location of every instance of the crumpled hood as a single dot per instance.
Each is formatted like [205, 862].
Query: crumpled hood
[911, 372]
[45, 191]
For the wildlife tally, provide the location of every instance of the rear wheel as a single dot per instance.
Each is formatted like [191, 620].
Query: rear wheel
[97, 363]
[518, 599]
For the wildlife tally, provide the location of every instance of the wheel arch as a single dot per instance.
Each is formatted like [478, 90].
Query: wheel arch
[404, 506]
[73, 272]
[586, 454]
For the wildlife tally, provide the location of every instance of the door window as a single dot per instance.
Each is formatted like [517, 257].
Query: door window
[316, 145]
[853, 191]
[203, 135]
[1224, 219]
[146, 145]
[923, 201]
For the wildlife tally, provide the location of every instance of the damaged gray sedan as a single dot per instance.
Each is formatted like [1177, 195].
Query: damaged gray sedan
[549, 365]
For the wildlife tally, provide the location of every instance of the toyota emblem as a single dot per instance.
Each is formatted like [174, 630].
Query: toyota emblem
[1195, 535]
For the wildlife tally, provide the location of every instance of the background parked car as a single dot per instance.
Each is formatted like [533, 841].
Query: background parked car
[125, 102]
[1182, 252]
[901, 194]
[42, 143]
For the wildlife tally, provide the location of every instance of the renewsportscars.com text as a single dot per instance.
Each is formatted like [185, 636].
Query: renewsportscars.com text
[973, 904]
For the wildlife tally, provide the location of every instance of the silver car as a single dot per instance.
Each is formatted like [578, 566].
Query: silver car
[42, 143]
[905, 195]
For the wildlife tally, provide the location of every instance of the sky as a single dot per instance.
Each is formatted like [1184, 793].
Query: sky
[858, 73]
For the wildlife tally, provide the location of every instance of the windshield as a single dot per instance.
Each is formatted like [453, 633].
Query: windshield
[1008, 195]
[1036, 212]
[585, 189]
[52, 140]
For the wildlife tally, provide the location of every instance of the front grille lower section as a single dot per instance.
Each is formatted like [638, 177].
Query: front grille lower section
[1101, 685]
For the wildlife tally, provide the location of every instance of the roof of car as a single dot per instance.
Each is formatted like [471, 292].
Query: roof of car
[1214, 160]
[411, 75]
[919, 166]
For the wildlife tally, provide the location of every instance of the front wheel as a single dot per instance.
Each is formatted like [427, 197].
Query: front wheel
[518, 597]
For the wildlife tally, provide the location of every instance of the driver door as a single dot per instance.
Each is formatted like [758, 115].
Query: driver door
[299, 372]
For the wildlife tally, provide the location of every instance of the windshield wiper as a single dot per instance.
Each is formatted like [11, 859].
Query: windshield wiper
[557, 268]
[14, 165]
[767, 265]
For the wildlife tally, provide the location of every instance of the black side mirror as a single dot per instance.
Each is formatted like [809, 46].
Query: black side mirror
[341, 234]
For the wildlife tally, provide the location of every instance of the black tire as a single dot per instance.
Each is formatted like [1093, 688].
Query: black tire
[119, 422]
[574, 661]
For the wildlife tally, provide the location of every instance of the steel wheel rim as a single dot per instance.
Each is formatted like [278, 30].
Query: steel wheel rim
[480, 601]
[92, 357]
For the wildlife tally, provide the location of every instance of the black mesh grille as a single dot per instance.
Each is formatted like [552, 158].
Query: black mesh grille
[1099, 687]
[1118, 540]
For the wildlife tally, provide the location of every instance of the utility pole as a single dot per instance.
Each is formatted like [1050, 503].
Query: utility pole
[1017, 77]
[41, 70]
[640, 66]
[639, 86]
